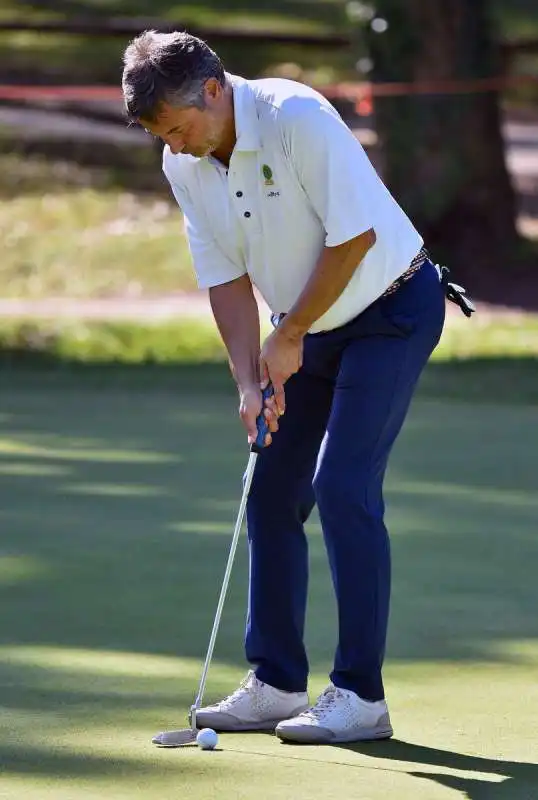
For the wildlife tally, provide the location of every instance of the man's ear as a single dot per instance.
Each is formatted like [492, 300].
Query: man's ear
[212, 89]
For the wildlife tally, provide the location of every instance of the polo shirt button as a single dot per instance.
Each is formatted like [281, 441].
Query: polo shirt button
[247, 214]
[239, 194]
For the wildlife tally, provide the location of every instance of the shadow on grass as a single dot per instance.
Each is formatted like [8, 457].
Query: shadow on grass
[494, 379]
[42, 761]
[521, 779]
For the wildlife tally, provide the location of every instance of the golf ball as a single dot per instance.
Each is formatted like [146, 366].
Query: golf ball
[207, 739]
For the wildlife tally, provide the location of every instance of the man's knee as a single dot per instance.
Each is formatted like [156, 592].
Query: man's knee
[357, 492]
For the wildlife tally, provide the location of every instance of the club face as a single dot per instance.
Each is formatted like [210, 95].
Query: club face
[179, 738]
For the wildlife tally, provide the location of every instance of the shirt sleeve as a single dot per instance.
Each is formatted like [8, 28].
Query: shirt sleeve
[212, 266]
[331, 165]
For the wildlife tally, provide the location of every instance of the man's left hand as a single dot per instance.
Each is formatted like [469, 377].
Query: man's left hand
[281, 356]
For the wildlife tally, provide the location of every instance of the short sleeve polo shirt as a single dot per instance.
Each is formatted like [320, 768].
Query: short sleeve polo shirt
[298, 181]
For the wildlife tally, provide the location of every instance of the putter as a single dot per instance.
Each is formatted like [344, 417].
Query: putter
[187, 736]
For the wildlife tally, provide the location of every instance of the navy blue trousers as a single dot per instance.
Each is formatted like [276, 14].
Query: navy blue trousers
[344, 410]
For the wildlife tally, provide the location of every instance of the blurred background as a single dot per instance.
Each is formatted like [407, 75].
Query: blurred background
[120, 449]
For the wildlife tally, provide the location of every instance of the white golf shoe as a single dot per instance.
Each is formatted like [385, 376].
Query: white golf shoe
[339, 715]
[254, 706]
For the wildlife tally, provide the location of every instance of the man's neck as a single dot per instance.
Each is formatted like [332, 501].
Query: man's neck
[224, 151]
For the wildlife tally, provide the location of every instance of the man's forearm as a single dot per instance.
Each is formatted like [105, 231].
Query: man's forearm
[335, 268]
[236, 315]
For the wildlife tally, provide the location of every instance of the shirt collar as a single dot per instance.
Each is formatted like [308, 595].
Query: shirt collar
[245, 114]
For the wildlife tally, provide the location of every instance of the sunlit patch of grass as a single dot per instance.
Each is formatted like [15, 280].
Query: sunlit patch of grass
[183, 341]
[113, 489]
[15, 569]
[21, 448]
[78, 661]
[486, 335]
[21, 469]
[469, 494]
[84, 242]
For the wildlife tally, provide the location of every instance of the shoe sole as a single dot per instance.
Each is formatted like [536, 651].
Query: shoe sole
[305, 734]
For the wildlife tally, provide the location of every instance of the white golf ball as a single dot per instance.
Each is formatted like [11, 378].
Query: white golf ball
[207, 739]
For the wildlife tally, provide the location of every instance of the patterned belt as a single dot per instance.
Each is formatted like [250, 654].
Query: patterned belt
[414, 266]
[454, 293]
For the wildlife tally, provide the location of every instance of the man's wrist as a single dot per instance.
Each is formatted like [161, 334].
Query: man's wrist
[292, 328]
[246, 387]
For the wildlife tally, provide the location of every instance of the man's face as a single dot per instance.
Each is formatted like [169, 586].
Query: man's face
[189, 130]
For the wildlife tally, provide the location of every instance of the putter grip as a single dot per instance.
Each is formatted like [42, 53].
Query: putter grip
[261, 424]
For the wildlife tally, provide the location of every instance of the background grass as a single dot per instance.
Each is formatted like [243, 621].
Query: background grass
[478, 358]
[91, 243]
[116, 508]
[70, 230]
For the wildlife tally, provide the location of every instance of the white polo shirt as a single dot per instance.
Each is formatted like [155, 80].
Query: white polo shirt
[298, 180]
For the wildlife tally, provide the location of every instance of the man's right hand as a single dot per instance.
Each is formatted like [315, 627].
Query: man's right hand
[250, 406]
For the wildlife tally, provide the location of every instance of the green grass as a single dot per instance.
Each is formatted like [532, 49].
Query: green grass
[92, 244]
[48, 343]
[69, 231]
[116, 510]
[490, 361]
[486, 336]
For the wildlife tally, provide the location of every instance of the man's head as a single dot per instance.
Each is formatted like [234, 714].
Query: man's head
[175, 86]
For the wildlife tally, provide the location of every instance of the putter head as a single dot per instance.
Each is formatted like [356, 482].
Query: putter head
[179, 738]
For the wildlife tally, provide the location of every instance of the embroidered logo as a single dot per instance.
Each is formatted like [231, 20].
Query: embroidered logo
[268, 175]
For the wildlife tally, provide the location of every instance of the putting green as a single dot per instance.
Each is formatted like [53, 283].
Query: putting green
[116, 510]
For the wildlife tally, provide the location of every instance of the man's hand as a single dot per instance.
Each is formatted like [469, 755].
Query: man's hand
[250, 407]
[281, 356]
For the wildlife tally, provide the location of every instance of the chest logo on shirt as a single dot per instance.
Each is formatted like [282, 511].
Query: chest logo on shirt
[268, 175]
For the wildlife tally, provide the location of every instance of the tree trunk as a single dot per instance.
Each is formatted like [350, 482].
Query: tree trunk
[443, 154]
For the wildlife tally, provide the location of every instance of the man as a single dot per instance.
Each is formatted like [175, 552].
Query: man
[277, 193]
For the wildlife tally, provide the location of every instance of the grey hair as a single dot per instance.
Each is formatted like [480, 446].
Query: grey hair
[167, 68]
